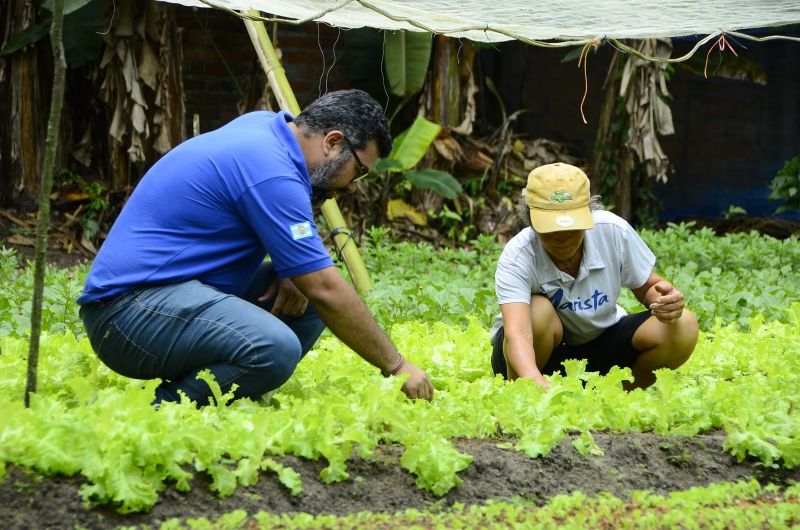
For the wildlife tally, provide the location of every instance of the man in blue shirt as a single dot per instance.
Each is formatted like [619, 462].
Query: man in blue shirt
[180, 285]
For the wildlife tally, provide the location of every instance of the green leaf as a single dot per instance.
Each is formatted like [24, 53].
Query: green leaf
[441, 182]
[573, 54]
[496, 93]
[286, 475]
[82, 40]
[218, 399]
[387, 164]
[725, 66]
[27, 36]
[412, 144]
[586, 445]
[407, 56]
[70, 6]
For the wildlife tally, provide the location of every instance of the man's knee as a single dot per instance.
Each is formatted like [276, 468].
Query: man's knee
[281, 357]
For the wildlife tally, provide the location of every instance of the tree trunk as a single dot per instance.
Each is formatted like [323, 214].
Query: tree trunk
[604, 137]
[449, 101]
[120, 114]
[634, 115]
[613, 162]
[21, 122]
[51, 147]
[623, 188]
[451, 92]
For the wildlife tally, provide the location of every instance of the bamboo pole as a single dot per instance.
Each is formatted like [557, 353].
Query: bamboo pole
[345, 245]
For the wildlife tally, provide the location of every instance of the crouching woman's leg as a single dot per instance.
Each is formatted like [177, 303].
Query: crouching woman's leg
[663, 345]
[546, 330]
[174, 332]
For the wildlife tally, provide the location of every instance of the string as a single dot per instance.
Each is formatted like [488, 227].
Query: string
[721, 43]
[584, 58]
[110, 22]
[322, 73]
[338, 34]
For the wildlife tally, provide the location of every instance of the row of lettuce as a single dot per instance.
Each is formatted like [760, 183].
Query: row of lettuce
[436, 305]
[741, 505]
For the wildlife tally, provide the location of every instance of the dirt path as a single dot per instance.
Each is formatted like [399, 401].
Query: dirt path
[630, 462]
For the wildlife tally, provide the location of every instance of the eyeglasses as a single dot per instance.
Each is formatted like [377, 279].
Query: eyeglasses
[364, 169]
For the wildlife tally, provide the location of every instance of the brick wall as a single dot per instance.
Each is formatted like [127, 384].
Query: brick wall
[220, 67]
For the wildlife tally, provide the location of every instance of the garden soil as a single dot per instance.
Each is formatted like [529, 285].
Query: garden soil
[629, 462]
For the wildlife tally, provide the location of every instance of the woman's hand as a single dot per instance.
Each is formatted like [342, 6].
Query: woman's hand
[668, 307]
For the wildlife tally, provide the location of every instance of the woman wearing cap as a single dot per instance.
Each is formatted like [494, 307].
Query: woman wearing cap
[558, 282]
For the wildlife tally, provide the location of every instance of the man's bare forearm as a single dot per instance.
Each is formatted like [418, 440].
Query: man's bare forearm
[346, 315]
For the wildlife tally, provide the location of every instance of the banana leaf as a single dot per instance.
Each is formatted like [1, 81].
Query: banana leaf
[407, 56]
[441, 182]
[83, 19]
[411, 145]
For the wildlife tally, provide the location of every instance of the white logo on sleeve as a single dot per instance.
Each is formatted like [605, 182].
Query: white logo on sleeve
[301, 230]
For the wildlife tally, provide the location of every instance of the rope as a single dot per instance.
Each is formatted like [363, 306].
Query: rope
[632, 51]
[335, 232]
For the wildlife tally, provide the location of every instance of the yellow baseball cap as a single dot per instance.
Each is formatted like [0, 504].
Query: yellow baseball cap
[558, 198]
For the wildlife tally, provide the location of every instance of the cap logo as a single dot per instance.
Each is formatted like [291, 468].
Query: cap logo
[565, 221]
[560, 196]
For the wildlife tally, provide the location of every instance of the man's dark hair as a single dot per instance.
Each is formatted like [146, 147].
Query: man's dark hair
[354, 112]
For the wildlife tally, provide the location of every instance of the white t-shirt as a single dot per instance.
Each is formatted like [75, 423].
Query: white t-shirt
[614, 256]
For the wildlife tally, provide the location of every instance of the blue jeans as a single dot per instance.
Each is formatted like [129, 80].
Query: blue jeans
[175, 331]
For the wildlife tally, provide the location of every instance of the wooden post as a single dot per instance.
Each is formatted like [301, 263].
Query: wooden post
[276, 75]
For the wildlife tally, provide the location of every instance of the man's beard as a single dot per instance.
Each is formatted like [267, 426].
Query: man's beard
[321, 177]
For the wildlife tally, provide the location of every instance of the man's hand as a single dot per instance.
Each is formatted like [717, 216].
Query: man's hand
[540, 380]
[345, 314]
[668, 307]
[417, 385]
[288, 298]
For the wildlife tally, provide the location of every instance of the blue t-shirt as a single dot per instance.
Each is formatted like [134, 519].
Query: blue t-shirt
[211, 209]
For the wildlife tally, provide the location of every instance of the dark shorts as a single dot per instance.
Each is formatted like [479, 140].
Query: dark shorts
[613, 347]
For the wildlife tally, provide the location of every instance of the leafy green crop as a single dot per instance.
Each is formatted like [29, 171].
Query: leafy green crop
[437, 305]
[722, 505]
[86, 419]
[730, 278]
[59, 311]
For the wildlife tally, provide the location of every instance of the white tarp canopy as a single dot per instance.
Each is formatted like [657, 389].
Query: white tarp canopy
[532, 21]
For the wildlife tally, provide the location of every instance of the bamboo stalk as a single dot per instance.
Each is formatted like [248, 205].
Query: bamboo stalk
[276, 75]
